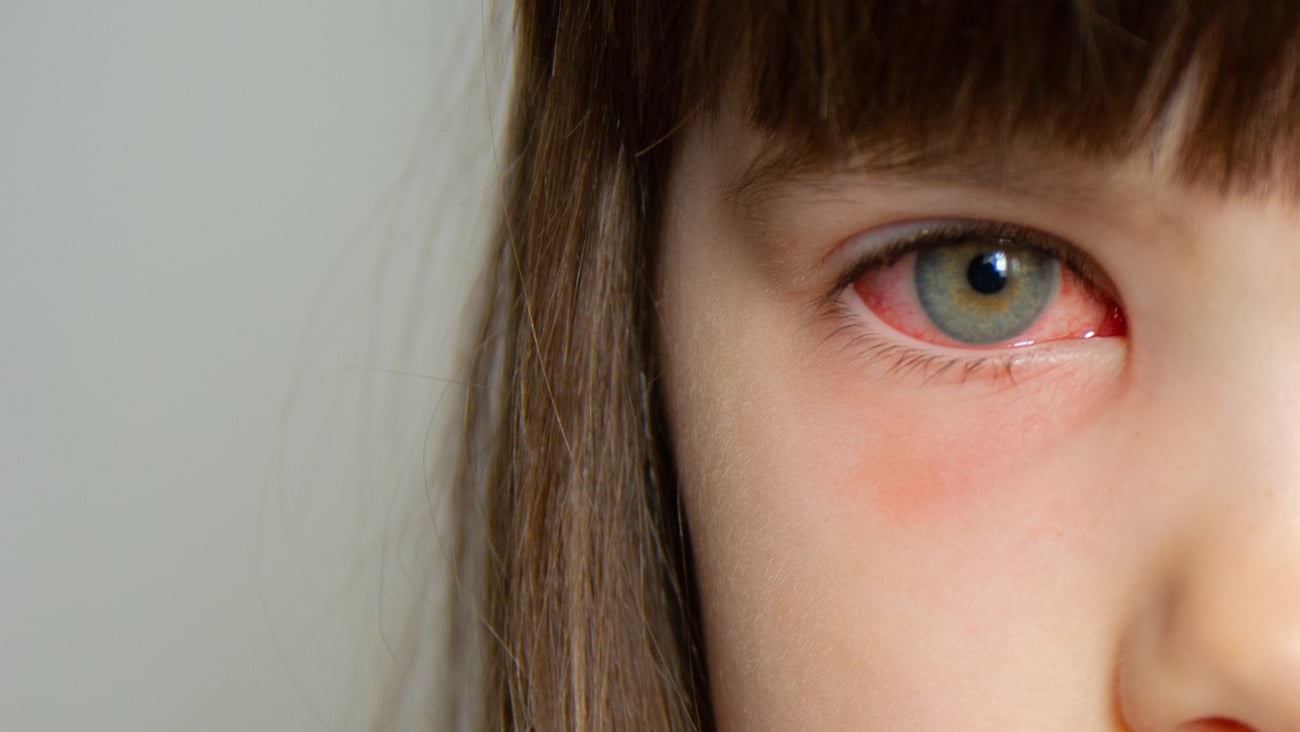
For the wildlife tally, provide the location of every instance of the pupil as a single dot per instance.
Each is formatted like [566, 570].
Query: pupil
[987, 273]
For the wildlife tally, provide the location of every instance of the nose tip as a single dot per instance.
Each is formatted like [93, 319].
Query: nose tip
[1218, 648]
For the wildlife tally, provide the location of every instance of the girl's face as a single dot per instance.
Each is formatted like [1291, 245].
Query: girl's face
[1006, 443]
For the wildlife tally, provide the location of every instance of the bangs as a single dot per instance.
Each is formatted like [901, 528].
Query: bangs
[1097, 79]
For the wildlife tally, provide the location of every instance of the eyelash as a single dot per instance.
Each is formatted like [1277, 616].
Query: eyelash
[906, 360]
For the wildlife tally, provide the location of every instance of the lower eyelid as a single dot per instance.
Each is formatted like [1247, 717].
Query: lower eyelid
[860, 335]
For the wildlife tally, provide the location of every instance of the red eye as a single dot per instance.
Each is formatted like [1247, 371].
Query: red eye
[983, 291]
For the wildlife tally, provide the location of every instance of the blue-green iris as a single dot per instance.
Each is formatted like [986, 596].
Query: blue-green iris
[984, 291]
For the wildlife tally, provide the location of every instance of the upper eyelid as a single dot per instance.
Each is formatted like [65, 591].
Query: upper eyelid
[938, 231]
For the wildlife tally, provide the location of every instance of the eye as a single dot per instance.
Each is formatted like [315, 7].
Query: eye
[972, 288]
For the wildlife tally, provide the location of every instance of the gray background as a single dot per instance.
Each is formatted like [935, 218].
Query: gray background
[235, 240]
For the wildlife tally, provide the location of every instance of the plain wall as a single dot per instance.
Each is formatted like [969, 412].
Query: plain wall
[235, 239]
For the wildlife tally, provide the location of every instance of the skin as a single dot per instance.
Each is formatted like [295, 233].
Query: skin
[1107, 538]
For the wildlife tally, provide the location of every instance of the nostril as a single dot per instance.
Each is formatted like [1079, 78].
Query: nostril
[1215, 724]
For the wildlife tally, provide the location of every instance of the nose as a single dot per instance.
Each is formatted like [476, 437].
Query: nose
[1212, 640]
[1217, 647]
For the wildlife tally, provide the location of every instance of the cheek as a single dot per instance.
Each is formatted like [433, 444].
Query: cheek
[912, 475]
[911, 458]
[853, 533]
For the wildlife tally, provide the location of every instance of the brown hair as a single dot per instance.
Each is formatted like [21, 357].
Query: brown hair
[575, 566]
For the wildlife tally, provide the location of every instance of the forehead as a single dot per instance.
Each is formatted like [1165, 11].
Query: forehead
[762, 169]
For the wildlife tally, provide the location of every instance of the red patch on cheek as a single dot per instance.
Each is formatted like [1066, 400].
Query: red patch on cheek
[921, 468]
[908, 455]
[915, 475]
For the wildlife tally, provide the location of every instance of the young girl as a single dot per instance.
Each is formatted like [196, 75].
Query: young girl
[891, 366]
